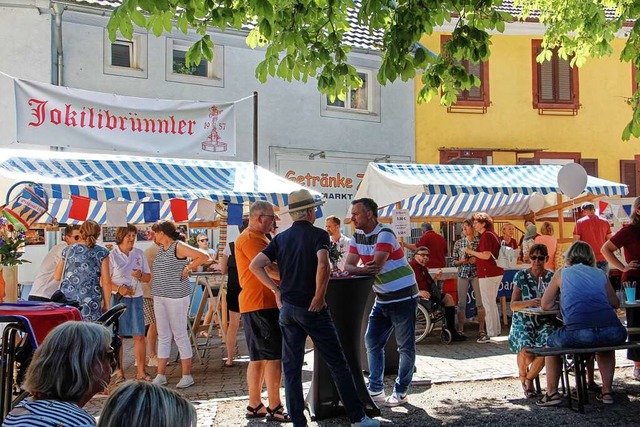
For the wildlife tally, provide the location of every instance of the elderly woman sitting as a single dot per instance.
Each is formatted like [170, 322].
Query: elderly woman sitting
[587, 305]
[138, 403]
[527, 330]
[73, 363]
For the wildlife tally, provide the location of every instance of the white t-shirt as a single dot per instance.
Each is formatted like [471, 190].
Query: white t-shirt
[121, 267]
[44, 284]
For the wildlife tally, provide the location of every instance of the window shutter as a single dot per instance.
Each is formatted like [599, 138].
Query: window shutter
[475, 92]
[121, 53]
[546, 81]
[590, 165]
[628, 176]
[564, 80]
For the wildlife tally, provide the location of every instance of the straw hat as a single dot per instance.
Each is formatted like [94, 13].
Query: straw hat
[300, 200]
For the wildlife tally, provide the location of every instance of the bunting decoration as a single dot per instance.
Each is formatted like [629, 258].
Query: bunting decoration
[151, 211]
[116, 213]
[602, 206]
[79, 207]
[234, 214]
[318, 212]
[179, 210]
[206, 210]
[627, 209]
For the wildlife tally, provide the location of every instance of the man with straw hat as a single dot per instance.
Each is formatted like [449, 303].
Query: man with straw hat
[302, 253]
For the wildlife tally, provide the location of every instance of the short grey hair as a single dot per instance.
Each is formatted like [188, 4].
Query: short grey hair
[139, 403]
[298, 215]
[580, 253]
[67, 366]
[259, 206]
[426, 226]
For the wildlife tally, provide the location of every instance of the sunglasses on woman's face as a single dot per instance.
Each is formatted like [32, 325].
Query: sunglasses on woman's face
[537, 258]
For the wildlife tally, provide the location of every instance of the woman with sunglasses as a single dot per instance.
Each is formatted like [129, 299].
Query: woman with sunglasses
[203, 244]
[82, 269]
[527, 330]
[74, 362]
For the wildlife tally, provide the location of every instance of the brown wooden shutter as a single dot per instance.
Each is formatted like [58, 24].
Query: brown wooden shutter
[591, 166]
[628, 176]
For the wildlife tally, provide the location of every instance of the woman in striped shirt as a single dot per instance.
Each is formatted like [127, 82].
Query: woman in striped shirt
[73, 363]
[171, 294]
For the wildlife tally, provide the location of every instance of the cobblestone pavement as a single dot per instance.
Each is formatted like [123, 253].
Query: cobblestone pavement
[437, 362]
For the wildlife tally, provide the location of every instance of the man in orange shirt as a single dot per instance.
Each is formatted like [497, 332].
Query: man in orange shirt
[260, 317]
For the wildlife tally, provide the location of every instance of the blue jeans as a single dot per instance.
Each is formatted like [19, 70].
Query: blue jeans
[590, 337]
[296, 324]
[384, 319]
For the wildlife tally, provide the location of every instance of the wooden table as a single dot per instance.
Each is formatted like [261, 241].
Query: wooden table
[537, 311]
[209, 280]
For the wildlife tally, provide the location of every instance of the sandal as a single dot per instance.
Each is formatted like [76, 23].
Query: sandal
[145, 378]
[606, 398]
[529, 393]
[254, 412]
[594, 388]
[277, 414]
[554, 399]
[118, 379]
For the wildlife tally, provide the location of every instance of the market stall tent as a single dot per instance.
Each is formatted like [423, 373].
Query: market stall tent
[103, 178]
[457, 191]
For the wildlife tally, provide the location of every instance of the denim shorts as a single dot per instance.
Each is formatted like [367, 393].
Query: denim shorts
[131, 322]
[591, 337]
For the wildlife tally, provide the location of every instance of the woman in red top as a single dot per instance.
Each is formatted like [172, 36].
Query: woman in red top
[628, 237]
[489, 274]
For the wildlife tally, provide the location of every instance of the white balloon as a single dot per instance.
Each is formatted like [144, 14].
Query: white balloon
[536, 202]
[572, 180]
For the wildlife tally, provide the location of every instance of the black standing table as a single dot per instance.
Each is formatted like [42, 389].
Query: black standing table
[347, 299]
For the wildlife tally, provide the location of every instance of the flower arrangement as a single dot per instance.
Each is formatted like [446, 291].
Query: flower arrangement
[11, 243]
[336, 252]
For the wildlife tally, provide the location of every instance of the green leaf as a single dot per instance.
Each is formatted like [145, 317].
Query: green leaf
[138, 18]
[167, 21]
[183, 24]
[126, 29]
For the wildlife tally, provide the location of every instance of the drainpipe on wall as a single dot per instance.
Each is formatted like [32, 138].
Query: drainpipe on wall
[57, 34]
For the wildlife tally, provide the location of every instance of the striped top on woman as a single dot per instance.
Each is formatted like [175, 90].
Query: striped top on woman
[167, 281]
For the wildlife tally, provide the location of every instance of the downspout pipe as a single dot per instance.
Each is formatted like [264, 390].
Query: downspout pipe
[57, 34]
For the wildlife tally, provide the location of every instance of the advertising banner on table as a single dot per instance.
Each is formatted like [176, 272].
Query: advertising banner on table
[82, 119]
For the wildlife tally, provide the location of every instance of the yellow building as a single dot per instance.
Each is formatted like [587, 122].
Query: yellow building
[534, 114]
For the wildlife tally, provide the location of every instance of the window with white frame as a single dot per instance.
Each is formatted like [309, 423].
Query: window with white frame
[126, 57]
[204, 73]
[361, 103]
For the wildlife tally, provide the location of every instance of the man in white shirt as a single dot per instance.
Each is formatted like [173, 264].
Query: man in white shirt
[44, 284]
[332, 226]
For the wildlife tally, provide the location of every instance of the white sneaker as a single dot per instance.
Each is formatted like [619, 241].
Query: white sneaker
[160, 379]
[153, 362]
[185, 381]
[636, 374]
[366, 422]
[378, 397]
[483, 339]
[396, 399]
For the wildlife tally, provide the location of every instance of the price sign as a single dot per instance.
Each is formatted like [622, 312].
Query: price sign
[402, 222]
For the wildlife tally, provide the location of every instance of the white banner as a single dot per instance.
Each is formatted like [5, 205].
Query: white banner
[82, 119]
[401, 222]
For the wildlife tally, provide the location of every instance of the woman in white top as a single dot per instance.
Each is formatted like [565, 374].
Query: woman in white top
[128, 269]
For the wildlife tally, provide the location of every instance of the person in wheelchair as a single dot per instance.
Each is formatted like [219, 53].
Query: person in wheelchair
[430, 291]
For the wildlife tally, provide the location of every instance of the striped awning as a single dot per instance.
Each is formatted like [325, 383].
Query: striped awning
[107, 177]
[458, 191]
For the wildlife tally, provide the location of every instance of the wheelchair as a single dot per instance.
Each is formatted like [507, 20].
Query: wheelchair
[429, 313]
[18, 346]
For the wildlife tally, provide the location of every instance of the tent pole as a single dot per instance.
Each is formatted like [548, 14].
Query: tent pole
[255, 128]
[560, 215]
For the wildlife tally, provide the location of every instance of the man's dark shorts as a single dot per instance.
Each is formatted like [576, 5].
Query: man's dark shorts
[262, 332]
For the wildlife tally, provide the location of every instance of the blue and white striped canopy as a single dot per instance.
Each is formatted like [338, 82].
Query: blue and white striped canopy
[458, 191]
[106, 177]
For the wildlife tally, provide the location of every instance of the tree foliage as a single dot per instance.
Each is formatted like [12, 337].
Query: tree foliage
[305, 38]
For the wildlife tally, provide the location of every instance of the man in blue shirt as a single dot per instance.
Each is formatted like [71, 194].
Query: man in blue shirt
[302, 253]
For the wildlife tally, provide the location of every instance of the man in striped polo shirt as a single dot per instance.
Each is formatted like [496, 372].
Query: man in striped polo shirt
[396, 298]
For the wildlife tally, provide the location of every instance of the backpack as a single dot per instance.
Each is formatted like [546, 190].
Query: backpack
[507, 258]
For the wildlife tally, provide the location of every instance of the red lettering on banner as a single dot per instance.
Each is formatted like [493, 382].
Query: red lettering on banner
[39, 112]
[56, 116]
[69, 116]
[323, 180]
[104, 119]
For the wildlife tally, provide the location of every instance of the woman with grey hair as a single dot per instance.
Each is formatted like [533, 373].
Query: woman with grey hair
[73, 363]
[587, 304]
[138, 404]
